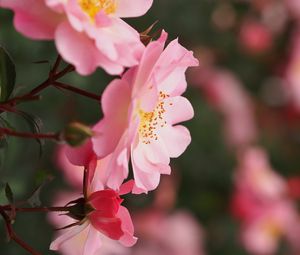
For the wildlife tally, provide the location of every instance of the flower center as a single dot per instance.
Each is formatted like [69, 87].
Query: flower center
[92, 7]
[150, 122]
[272, 228]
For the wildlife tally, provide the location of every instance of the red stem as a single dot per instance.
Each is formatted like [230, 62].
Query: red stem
[36, 209]
[32, 94]
[13, 235]
[76, 90]
[9, 132]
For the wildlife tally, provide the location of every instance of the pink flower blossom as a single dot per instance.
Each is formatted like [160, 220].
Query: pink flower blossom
[141, 111]
[256, 176]
[261, 235]
[178, 233]
[225, 92]
[292, 72]
[87, 33]
[75, 246]
[255, 37]
[294, 7]
[261, 203]
[102, 209]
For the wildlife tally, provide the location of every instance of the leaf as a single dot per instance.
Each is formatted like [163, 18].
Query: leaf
[6, 123]
[9, 194]
[7, 75]
[34, 199]
[42, 62]
[34, 123]
[2, 186]
[3, 139]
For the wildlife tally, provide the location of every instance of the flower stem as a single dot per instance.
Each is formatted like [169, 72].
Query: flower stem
[10, 132]
[36, 209]
[76, 90]
[13, 236]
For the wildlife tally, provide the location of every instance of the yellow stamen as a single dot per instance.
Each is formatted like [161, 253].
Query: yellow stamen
[92, 7]
[151, 121]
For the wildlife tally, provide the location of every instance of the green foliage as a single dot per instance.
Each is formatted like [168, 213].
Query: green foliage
[7, 75]
[9, 194]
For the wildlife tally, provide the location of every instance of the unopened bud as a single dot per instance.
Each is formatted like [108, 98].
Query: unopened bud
[75, 134]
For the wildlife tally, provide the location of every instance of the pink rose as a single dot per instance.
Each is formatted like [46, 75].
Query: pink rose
[76, 244]
[141, 111]
[100, 212]
[88, 33]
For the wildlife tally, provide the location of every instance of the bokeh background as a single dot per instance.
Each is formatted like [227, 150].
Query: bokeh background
[244, 93]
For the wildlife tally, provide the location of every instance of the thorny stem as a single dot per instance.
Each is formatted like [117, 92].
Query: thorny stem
[33, 94]
[10, 132]
[76, 90]
[35, 209]
[13, 236]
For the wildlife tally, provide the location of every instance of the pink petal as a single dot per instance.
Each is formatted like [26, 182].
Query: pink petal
[119, 42]
[115, 103]
[111, 227]
[171, 66]
[117, 167]
[178, 109]
[72, 173]
[93, 242]
[149, 58]
[126, 187]
[155, 152]
[106, 201]
[127, 239]
[55, 245]
[80, 156]
[80, 51]
[132, 8]
[146, 175]
[176, 139]
[33, 18]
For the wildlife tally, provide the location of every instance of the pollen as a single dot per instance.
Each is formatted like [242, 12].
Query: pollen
[151, 122]
[92, 7]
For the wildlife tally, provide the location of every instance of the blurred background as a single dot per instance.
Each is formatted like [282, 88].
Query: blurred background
[235, 190]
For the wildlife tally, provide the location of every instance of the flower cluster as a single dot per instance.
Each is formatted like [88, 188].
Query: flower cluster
[262, 204]
[142, 108]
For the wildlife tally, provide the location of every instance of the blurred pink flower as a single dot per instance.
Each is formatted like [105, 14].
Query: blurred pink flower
[225, 92]
[140, 111]
[87, 33]
[256, 176]
[294, 187]
[294, 7]
[255, 37]
[262, 204]
[73, 174]
[293, 72]
[262, 234]
[178, 233]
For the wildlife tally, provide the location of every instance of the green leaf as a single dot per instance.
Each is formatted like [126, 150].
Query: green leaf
[2, 186]
[34, 123]
[7, 75]
[9, 194]
[34, 199]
